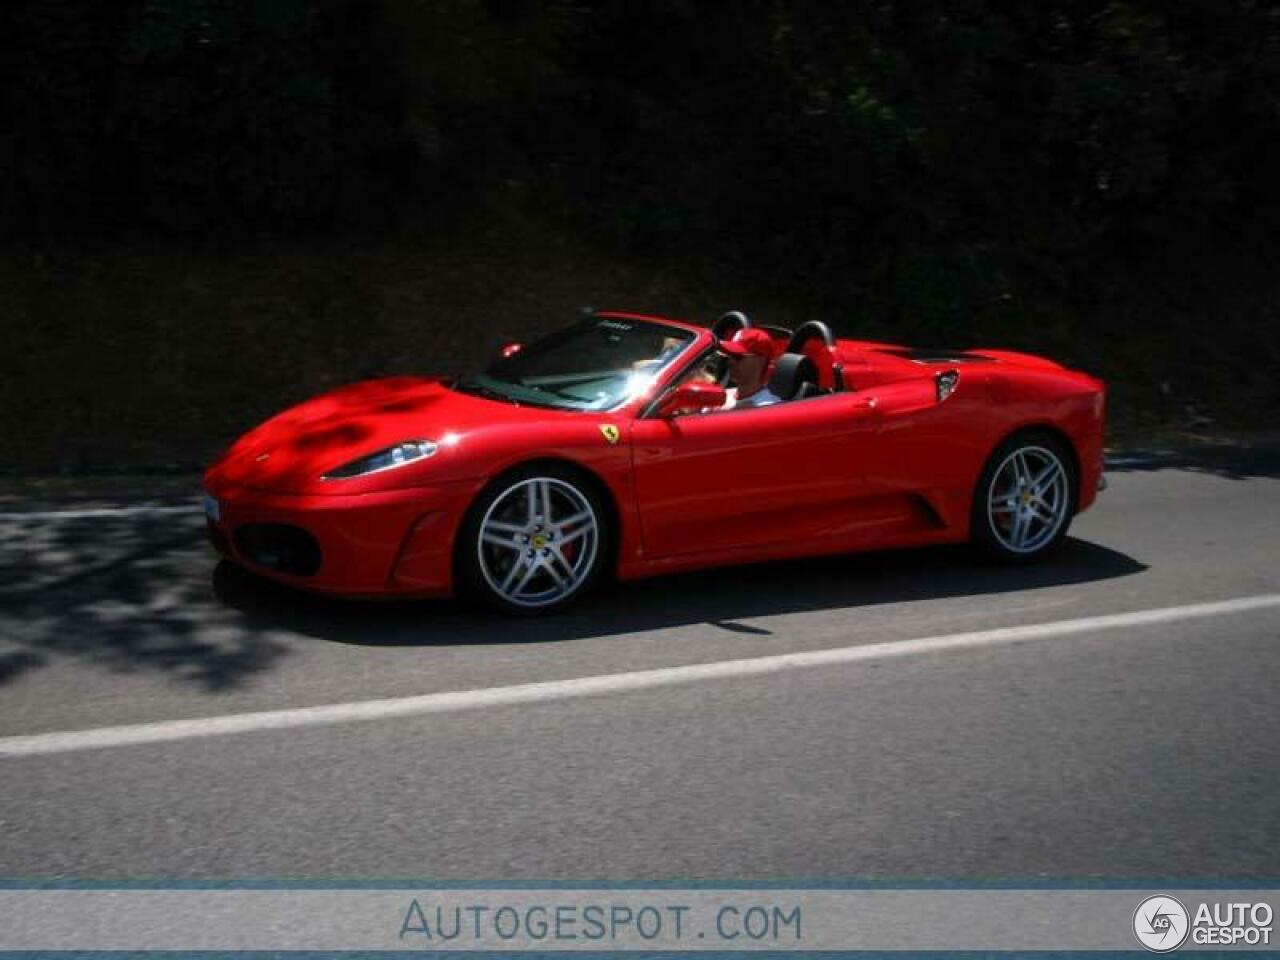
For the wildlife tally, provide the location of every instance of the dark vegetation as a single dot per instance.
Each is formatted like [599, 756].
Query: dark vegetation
[214, 207]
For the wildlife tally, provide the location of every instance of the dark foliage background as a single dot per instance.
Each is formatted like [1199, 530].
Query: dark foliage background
[190, 188]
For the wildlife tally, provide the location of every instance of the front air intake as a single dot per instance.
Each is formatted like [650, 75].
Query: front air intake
[279, 546]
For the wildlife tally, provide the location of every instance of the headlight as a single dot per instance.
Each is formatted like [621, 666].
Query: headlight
[401, 454]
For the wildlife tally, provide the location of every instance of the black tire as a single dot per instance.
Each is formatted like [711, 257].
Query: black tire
[997, 537]
[475, 563]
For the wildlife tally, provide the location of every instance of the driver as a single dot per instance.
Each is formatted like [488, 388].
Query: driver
[750, 355]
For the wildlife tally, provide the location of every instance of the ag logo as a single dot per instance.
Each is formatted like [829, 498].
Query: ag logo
[610, 432]
[1161, 923]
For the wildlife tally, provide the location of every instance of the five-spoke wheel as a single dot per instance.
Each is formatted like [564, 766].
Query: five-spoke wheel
[533, 541]
[1025, 498]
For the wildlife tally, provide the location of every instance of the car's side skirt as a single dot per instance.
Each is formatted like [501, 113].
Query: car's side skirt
[823, 546]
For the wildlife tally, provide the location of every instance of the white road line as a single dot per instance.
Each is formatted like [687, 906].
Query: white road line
[120, 736]
[193, 509]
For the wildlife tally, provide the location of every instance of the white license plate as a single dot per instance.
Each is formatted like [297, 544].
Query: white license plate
[212, 510]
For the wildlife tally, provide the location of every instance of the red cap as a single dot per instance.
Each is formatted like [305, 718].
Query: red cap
[749, 341]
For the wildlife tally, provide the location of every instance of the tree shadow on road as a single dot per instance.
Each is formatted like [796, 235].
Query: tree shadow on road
[133, 593]
[721, 597]
[126, 592]
[1235, 460]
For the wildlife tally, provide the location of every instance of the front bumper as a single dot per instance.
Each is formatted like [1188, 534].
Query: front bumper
[396, 543]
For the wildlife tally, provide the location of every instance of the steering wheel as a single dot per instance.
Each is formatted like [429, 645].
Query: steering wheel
[729, 324]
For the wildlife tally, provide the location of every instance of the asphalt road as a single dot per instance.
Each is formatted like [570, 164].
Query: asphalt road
[1121, 750]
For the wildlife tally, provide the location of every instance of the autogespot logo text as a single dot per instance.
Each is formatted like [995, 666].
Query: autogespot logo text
[1160, 923]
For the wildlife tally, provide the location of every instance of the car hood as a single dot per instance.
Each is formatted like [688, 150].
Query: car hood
[291, 452]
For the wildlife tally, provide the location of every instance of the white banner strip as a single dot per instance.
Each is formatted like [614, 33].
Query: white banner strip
[622, 919]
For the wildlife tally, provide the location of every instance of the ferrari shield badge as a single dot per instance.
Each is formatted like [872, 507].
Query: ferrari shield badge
[610, 432]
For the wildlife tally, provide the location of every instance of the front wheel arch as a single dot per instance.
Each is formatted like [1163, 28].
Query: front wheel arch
[610, 521]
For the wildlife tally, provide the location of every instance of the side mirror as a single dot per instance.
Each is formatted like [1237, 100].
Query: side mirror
[510, 349]
[691, 397]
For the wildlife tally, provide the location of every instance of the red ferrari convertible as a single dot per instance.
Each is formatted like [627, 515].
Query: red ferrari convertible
[612, 447]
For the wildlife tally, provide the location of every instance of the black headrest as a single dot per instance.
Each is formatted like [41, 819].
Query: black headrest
[729, 324]
[813, 330]
[791, 372]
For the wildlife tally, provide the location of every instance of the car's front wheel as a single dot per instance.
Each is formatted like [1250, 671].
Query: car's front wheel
[1025, 498]
[534, 541]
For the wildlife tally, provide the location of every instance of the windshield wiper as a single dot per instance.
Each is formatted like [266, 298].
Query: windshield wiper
[480, 390]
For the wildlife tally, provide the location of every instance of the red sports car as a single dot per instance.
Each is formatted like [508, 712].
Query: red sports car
[613, 447]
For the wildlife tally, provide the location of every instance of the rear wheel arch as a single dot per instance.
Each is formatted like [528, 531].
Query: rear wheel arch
[1058, 435]
[1058, 499]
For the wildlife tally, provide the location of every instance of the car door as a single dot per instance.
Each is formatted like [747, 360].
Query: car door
[750, 477]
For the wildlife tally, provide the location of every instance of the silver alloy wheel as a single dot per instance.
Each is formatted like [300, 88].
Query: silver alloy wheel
[538, 542]
[1028, 499]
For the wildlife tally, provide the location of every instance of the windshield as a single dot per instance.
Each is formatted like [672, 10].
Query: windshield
[596, 364]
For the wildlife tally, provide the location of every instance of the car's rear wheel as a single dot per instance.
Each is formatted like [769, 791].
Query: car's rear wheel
[534, 541]
[1025, 498]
